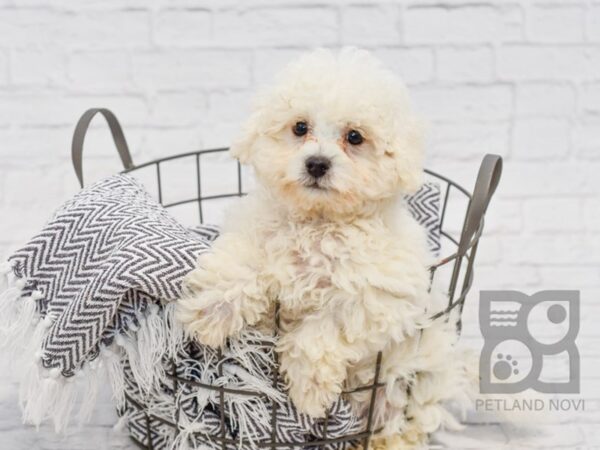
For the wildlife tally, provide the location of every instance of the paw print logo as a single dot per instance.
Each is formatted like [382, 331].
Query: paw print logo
[505, 366]
[533, 327]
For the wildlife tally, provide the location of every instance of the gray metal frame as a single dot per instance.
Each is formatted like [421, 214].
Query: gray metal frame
[461, 262]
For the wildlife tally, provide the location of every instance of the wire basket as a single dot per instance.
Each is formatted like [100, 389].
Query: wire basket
[455, 270]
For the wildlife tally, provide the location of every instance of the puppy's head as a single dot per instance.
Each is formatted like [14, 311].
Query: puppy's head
[335, 135]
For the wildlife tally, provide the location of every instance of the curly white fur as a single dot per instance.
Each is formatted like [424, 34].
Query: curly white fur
[346, 263]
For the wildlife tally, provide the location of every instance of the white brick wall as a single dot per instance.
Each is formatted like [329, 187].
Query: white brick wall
[520, 78]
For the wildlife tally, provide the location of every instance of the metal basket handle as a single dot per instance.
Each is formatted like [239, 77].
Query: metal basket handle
[485, 186]
[79, 137]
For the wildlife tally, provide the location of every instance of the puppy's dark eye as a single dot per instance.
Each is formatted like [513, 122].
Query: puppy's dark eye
[300, 128]
[354, 137]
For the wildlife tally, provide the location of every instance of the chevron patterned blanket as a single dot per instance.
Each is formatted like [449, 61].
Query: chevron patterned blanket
[91, 295]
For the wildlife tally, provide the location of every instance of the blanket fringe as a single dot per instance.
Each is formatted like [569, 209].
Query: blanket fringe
[114, 370]
[158, 336]
[174, 333]
[144, 349]
[46, 395]
[18, 313]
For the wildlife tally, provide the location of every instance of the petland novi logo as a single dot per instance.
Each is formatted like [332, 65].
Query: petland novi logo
[523, 334]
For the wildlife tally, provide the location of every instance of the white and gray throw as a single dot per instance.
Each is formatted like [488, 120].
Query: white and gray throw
[92, 294]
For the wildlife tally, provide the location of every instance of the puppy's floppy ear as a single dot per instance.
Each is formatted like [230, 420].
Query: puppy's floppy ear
[408, 154]
[242, 147]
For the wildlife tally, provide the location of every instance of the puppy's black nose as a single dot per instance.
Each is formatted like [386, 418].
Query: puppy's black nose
[317, 166]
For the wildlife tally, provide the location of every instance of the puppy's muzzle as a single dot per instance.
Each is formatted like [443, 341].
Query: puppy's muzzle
[317, 166]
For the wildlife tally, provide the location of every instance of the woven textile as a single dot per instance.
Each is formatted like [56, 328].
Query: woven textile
[98, 262]
[424, 205]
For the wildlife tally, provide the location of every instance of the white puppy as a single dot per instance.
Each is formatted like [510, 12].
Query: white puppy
[334, 145]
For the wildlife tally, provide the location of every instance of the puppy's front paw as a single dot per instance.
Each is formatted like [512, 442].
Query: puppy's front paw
[311, 398]
[313, 386]
[209, 319]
